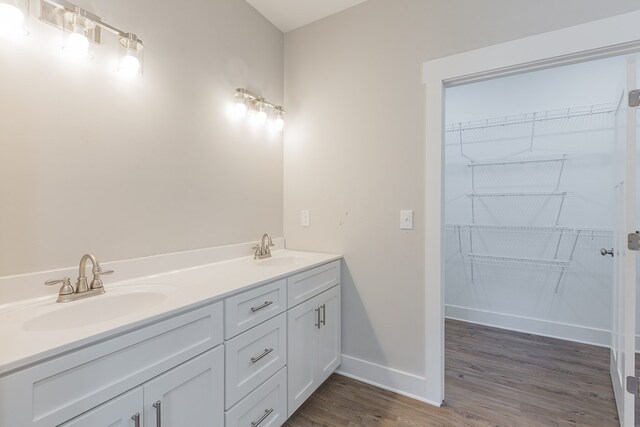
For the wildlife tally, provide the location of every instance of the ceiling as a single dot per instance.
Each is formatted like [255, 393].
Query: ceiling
[288, 15]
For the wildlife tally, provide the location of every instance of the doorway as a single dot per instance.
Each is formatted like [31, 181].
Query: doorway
[528, 209]
[615, 36]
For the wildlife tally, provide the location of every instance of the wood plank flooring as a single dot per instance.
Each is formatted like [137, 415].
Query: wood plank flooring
[494, 377]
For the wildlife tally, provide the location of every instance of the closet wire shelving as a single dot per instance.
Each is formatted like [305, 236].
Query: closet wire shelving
[553, 120]
[559, 241]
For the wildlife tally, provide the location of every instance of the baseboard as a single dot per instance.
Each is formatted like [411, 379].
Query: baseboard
[404, 383]
[576, 333]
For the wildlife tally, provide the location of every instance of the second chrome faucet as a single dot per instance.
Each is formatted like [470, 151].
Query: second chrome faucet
[263, 249]
[82, 289]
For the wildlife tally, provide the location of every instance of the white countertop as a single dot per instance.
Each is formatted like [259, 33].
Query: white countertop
[184, 289]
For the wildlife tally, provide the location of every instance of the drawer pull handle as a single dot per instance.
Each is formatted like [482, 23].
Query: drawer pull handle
[260, 307]
[324, 314]
[266, 353]
[158, 406]
[267, 412]
[318, 324]
[136, 419]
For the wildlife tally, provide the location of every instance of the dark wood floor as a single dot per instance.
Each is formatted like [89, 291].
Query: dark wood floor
[493, 378]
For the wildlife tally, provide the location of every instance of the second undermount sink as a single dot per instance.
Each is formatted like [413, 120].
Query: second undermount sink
[283, 261]
[102, 308]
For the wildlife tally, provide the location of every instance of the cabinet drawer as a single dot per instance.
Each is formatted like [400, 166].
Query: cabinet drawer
[265, 407]
[310, 283]
[252, 357]
[253, 307]
[57, 390]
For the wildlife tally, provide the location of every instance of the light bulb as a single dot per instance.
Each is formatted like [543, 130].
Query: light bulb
[240, 107]
[260, 112]
[278, 124]
[261, 117]
[77, 45]
[11, 18]
[129, 64]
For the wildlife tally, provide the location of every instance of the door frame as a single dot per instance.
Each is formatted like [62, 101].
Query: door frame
[604, 38]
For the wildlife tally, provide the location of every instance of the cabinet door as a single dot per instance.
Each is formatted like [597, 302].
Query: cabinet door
[302, 352]
[118, 412]
[190, 395]
[329, 345]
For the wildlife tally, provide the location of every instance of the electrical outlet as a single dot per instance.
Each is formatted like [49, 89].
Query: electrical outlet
[305, 220]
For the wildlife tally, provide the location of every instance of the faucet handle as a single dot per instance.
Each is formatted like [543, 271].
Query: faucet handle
[96, 283]
[66, 288]
[97, 271]
[55, 282]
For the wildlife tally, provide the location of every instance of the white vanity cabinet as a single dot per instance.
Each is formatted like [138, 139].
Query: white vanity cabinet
[276, 360]
[186, 396]
[247, 359]
[172, 351]
[313, 326]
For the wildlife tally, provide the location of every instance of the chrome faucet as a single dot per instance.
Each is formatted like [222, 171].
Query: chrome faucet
[262, 250]
[82, 290]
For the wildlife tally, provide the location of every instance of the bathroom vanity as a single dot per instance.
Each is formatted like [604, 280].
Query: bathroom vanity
[235, 343]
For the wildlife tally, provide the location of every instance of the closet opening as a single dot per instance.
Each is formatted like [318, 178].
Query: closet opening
[529, 220]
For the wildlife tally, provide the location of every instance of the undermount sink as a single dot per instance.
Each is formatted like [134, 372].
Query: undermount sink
[283, 261]
[102, 308]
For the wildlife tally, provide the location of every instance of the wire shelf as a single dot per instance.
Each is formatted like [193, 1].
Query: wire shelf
[505, 261]
[585, 231]
[517, 160]
[537, 117]
[522, 133]
[520, 194]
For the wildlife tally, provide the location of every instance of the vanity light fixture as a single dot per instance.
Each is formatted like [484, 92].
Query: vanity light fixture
[81, 28]
[13, 14]
[262, 109]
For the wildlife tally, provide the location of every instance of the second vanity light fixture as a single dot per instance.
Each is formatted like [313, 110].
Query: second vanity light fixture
[247, 102]
[80, 28]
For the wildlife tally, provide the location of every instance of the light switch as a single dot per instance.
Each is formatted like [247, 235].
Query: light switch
[406, 220]
[305, 219]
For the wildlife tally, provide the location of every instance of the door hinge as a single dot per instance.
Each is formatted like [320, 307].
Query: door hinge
[634, 98]
[632, 385]
[633, 241]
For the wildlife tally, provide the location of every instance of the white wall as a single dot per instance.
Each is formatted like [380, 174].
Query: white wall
[89, 162]
[525, 298]
[354, 152]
